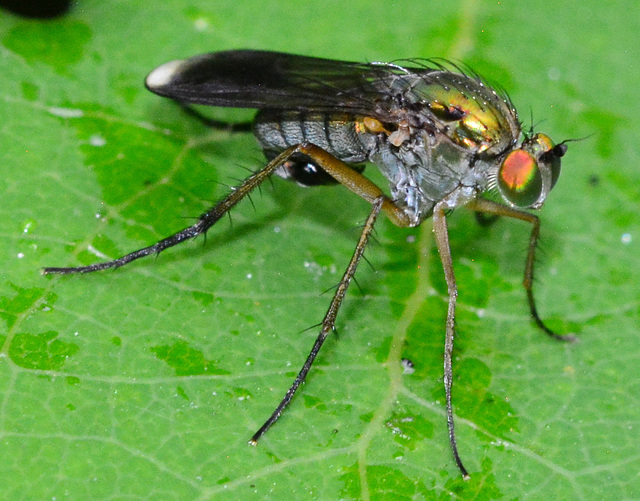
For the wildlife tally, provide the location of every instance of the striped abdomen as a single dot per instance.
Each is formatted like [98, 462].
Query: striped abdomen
[336, 133]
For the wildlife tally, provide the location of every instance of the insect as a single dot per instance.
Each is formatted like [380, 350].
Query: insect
[441, 136]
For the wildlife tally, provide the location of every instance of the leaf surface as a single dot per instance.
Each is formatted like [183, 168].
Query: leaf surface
[147, 381]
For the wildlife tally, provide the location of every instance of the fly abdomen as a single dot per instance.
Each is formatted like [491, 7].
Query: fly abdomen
[334, 133]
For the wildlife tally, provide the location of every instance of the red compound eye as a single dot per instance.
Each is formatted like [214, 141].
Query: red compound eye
[519, 179]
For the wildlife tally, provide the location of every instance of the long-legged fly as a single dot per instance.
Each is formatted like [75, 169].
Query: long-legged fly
[441, 136]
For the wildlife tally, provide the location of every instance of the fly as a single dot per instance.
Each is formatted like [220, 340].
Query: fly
[441, 136]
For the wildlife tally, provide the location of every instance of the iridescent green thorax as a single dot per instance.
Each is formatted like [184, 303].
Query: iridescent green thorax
[474, 115]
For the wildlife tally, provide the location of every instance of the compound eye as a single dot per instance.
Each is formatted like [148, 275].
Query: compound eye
[519, 179]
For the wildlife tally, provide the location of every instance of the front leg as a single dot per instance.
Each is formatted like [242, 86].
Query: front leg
[493, 208]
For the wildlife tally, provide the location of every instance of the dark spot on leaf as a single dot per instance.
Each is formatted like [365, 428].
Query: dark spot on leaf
[185, 360]
[24, 300]
[42, 351]
[58, 45]
[180, 391]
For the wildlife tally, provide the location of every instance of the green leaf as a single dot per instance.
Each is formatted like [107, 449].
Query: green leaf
[147, 381]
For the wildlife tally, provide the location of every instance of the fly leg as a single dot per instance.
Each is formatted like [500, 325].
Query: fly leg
[442, 241]
[492, 208]
[369, 191]
[441, 233]
[346, 175]
[354, 181]
[205, 221]
[328, 323]
[212, 123]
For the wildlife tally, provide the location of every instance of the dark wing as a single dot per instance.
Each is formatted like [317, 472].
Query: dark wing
[273, 80]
